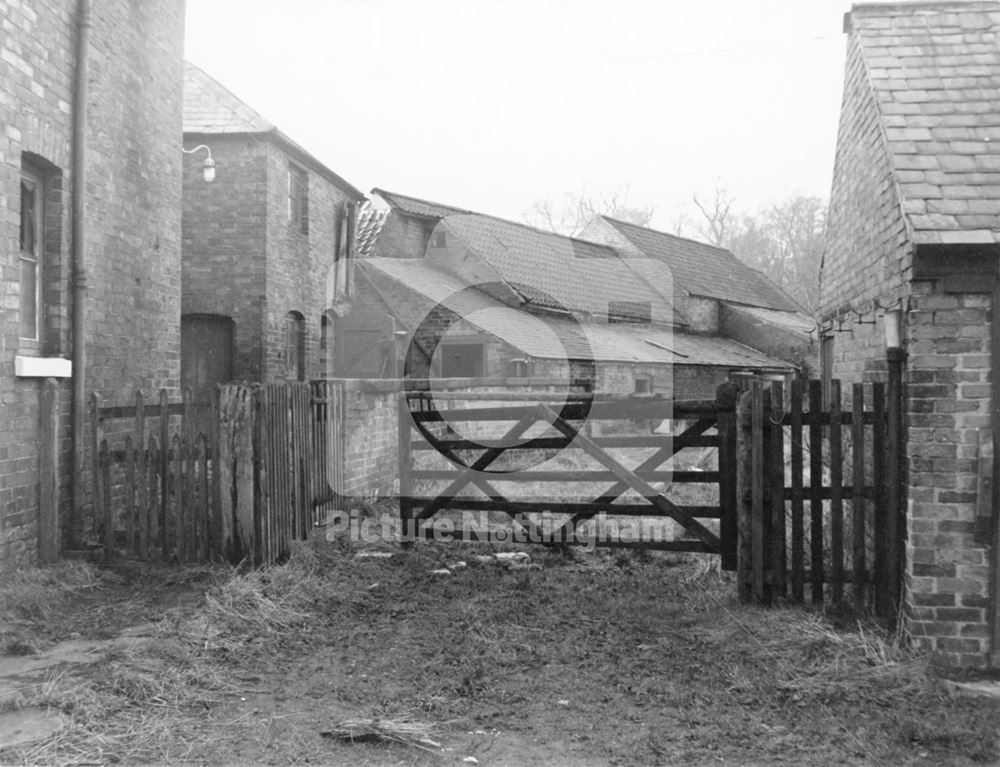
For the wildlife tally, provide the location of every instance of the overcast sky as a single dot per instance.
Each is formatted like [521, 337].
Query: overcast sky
[494, 104]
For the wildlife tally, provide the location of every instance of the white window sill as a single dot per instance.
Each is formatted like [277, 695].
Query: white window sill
[42, 367]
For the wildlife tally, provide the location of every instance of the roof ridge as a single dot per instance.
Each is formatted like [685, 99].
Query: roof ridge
[925, 5]
[467, 212]
[614, 220]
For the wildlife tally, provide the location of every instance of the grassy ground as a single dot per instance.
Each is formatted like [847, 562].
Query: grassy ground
[580, 659]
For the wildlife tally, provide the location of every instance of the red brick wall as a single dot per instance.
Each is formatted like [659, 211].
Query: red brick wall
[133, 217]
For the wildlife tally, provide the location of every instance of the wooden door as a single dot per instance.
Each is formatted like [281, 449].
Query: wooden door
[206, 354]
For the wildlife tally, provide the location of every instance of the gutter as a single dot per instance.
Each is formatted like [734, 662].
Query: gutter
[79, 355]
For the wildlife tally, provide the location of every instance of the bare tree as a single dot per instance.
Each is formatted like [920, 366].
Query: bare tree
[718, 215]
[783, 240]
[574, 211]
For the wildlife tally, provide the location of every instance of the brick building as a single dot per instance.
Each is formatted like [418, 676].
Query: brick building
[912, 232]
[92, 91]
[266, 246]
[415, 255]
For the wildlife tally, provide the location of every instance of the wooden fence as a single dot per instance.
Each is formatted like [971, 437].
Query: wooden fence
[237, 480]
[803, 449]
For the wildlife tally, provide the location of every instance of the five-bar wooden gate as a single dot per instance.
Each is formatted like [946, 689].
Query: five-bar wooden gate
[471, 463]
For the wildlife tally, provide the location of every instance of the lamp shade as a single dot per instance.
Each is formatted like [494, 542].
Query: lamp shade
[893, 322]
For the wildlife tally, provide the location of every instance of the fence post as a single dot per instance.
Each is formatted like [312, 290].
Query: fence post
[725, 400]
[96, 435]
[895, 528]
[48, 473]
[406, 531]
[744, 472]
[774, 490]
[164, 471]
[142, 503]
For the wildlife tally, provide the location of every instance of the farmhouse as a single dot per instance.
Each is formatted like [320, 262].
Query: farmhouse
[90, 100]
[523, 300]
[911, 264]
[266, 246]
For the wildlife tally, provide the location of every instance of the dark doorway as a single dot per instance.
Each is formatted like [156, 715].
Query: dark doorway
[206, 353]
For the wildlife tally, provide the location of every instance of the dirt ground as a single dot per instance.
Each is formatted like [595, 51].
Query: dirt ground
[575, 659]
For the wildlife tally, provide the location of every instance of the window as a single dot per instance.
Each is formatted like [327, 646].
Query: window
[298, 198]
[295, 347]
[31, 250]
[643, 383]
[462, 361]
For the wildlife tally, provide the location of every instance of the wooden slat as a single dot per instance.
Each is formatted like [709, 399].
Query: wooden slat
[130, 493]
[881, 596]
[178, 457]
[836, 497]
[152, 516]
[699, 440]
[744, 461]
[757, 512]
[815, 483]
[243, 471]
[858, 502]
[96, 437]
[164, 489]
[776, 485]
[142, 486]
[106, 512]
[205, 512]
[226, 469]
[798, 510]
[677, 477]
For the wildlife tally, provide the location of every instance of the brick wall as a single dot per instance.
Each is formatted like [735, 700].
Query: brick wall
[298, 264]
[133, 217]
[225, 239]
[403, 237]
[866, 255]
[948, 413]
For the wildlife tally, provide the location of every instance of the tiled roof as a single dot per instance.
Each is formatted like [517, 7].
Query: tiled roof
[555, 338]
[581, 276]
[413, 206]
[935, 70]
[705, 270]
[211, 108]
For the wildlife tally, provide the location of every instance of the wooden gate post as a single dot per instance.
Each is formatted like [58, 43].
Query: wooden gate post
[744, 470]
[725, 399]
[407, 530]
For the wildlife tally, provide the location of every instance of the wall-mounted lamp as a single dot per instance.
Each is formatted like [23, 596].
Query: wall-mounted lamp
[209, 166]
[893, 323]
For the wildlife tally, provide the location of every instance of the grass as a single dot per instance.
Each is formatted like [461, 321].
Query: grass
[592, 659]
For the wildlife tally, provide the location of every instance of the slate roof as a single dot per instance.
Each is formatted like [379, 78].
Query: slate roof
[935, 71]
[705, 270]
[579, 275]
[414, 206]
[212, 109]
[556, 338]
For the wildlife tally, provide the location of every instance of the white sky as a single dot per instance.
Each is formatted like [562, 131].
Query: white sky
[495, 104]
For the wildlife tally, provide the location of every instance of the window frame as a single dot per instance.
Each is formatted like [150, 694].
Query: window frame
[31, 177]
